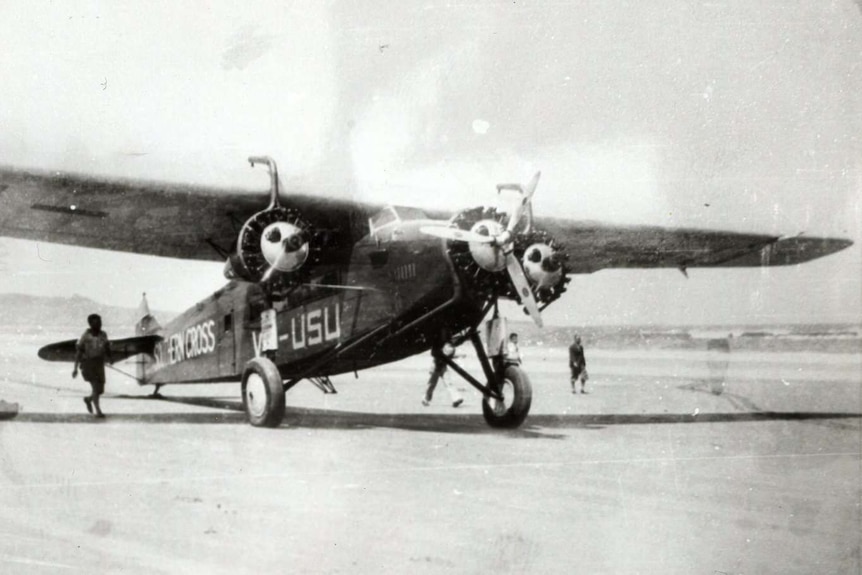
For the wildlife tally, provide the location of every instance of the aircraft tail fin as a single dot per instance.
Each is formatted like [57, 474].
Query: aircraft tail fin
[147, 323]
[147, 326]
[143, 344]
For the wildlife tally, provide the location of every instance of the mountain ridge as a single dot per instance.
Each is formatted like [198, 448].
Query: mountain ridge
[62, 313]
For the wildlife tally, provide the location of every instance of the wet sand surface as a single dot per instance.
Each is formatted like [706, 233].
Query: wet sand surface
[650, 472]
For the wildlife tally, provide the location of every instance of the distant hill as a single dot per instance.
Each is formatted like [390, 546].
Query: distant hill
[20, 312]
[835, 338]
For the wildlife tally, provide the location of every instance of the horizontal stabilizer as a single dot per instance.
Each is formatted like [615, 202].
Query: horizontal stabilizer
[120, 348]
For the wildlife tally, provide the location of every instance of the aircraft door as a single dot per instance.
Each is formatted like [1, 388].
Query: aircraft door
[227, 344]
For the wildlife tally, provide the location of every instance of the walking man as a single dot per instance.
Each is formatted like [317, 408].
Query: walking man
[93, 350]
[438, 373]
[578, 365]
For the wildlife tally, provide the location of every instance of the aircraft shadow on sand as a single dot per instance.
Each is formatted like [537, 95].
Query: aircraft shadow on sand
[461, 423]
[42, 417]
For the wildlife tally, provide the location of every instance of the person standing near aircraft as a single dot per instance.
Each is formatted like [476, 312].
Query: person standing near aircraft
[578, 364]
[438, 373]
[92, 350]
[513, 354]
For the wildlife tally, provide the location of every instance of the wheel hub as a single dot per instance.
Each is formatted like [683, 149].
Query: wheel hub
[507, 393]
[255, 395]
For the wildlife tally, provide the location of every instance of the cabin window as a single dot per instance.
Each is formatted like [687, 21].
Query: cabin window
[228, 322]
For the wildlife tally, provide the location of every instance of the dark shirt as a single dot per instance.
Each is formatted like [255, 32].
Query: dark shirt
[576, 356]
[94, 346]
[93, 350]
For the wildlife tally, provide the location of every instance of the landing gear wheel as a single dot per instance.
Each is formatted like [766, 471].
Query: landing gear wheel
[262, 393]
[517, 397]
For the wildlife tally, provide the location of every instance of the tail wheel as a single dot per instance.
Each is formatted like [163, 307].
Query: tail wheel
[512, 410]
[262, 393]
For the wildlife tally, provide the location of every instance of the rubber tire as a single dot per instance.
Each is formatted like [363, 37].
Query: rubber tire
[271, 413]
[517, 412]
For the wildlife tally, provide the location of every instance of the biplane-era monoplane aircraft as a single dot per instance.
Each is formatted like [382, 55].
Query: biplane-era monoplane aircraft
[321, 287]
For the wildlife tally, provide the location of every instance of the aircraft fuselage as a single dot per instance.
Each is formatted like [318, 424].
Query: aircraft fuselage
[397, 277]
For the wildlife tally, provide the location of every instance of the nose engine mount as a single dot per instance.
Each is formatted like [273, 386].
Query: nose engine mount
[484, 268]
[483, 243]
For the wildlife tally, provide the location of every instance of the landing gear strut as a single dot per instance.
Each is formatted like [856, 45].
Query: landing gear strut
[507, 394]
[262, 385]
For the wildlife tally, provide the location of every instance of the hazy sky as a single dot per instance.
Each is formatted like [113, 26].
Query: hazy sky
[742, 115]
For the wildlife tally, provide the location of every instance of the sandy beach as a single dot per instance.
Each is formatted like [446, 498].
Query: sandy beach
[650, 472]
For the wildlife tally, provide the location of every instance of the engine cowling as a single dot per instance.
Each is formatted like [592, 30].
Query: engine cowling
[273, 240]
[543, 265]
[487, 256]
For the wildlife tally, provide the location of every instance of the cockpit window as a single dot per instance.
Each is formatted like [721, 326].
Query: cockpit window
[383, 217]
[407, 214]
[386, 222]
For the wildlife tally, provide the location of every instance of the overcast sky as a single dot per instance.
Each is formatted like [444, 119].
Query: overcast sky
[742, 115]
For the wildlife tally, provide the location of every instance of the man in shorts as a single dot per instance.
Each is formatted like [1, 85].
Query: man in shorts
[93, 350]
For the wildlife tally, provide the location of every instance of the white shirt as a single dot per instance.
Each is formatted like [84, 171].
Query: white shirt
[512, 353]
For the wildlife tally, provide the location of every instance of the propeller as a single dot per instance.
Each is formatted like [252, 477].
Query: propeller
[503, 241]
[456, 234]
[522, 286]
[525, 201]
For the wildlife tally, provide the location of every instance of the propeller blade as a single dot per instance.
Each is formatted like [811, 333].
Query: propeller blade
[267, 274]
[522, 286]
[531, 187]
[456, 234]
[526, 198]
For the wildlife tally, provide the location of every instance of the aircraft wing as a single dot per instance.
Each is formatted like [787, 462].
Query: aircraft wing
[120, 348]
[169, 220]
[592, 246]
[202, 223]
